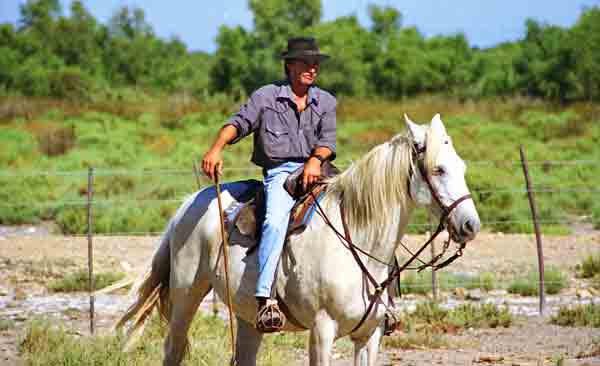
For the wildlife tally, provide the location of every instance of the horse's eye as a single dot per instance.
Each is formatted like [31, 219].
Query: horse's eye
[438, 171]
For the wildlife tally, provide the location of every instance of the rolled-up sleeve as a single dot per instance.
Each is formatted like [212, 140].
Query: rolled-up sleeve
[246, 120]
[327, 130]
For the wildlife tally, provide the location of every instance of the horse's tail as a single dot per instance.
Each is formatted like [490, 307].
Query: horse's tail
[152, 291]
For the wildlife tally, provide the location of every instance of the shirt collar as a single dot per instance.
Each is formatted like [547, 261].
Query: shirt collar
[285, 91]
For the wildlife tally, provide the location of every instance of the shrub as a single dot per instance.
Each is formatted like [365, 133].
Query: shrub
[79, 281]
[46, 344]
[54, 141]
[430, 315]
[420, 283]
[483, 316]
[70, 83]
[554, 281]
[590, 266]
[578, 316]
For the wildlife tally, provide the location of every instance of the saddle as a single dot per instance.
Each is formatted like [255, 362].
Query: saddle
[250, 216]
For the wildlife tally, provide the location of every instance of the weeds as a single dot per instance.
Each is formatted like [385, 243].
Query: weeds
[7, 324]
[426, 325]
[420, 283]
[578, 316]
[554, 281]
[590, 266]
[133, 131]
[79, 281]
[46, 344]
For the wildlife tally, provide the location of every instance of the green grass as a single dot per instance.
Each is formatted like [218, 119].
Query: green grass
[590, 266]
[143, 158]
[463, 316]
[428, 323]
[554, 281]
[7, 324]
[48, 344]
[79, 281]
[420, 283]
[578, 316]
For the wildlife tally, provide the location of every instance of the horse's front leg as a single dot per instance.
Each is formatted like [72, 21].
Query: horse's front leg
[365, 350]
[322, 336]
[248, 341]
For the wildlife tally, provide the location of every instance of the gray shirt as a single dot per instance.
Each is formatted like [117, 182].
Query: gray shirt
[281, 134]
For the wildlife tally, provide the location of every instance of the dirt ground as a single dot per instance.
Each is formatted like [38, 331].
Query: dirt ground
[27, 261]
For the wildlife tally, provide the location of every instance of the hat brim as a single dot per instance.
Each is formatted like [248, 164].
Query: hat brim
[304, 55]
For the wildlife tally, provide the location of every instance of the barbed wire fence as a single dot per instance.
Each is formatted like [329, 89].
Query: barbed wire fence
[90, 202]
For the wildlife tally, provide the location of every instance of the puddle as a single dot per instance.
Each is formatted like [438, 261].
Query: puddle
[113, 305]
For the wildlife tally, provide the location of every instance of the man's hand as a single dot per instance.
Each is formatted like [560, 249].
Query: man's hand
[212, 163]
[312, 172]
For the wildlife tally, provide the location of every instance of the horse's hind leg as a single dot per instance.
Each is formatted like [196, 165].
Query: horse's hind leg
[248, 341]
[184, 303]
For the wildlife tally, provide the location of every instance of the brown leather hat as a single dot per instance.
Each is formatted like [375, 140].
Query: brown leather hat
[303, 48]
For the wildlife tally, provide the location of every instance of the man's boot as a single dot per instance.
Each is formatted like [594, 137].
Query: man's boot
[269, 318]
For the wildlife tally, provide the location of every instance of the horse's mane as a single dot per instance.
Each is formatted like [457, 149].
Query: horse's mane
[376, 185]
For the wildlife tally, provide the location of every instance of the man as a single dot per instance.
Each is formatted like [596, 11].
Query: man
[294, 126]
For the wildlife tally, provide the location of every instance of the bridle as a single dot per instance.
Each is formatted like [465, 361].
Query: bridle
[445, 221]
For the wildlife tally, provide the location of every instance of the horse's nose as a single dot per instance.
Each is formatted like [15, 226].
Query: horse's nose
[470, 228]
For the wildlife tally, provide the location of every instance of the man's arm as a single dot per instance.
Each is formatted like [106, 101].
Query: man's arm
[212, 159]
[312, 167]
[239, 126]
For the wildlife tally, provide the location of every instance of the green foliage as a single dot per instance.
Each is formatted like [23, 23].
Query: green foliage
[590, 266]
[76, 56]
[578, 316]
[45, 343]
[420, 283]
[461, 317]
[79, 281]
[7, 324]
[480, 316]
[554, 281]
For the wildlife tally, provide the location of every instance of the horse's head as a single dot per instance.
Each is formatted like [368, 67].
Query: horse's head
[438, 179]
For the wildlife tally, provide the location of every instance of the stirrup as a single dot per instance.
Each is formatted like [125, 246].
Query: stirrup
[270, 318]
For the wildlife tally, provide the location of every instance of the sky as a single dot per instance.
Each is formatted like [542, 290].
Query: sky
[485, 22]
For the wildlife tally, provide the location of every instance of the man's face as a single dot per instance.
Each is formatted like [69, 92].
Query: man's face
[303, 71]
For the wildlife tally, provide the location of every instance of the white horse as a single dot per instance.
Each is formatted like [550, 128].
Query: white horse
[318, 279]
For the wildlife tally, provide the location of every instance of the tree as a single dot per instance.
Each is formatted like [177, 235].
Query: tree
[276, 20]
[39, 14]
[586, 40]
[547, 63]
[75, 40]
[386, 20]
[351, 48]
[129, 23]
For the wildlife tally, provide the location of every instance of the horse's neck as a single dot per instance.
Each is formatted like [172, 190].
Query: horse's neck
[379, 242]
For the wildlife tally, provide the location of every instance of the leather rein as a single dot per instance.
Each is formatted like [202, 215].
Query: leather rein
[445, 221]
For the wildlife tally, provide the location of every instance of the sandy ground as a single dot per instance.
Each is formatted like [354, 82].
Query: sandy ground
[27, 261]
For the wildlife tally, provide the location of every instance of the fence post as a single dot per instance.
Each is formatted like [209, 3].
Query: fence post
[215, 300]
[90, 223]
[434, 287]
[536, 226]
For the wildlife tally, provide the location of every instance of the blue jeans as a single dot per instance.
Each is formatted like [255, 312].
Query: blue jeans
[278, 206]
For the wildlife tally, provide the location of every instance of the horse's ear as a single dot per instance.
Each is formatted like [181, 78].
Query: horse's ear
[438, 125]
[417, 132]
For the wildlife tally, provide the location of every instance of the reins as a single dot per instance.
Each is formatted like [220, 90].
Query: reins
[346, 241]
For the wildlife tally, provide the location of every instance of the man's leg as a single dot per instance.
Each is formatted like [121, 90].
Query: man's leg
[278, 206]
